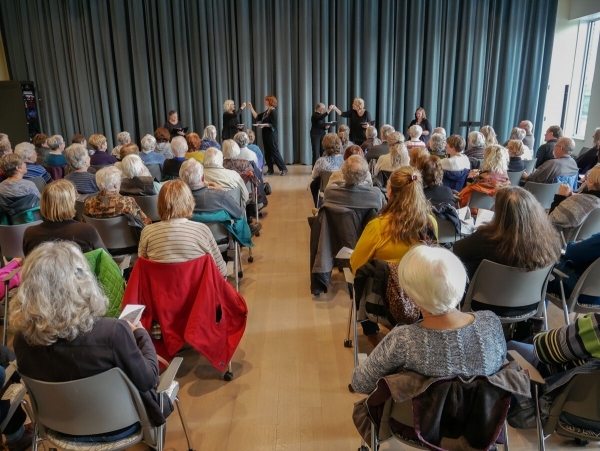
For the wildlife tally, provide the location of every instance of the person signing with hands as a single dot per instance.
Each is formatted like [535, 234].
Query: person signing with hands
[269, 133]
[318, 129]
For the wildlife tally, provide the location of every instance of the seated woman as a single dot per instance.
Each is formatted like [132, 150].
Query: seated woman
[194, 142]
[175, 238]
[337, 177]
[108, 203]
[437, 145]
[163, 142]
[209, 138]
[492, 178]
[79, 161]
[331, 161]
[179, 148]
[242, 140]
[344, 135]
[519, 134]
[398, 155]
[489, 134]
[149, 155]
[232, 160]
[16, 194]
[57, 316]
[372, 139]
[417, 156]
[58, 210]
[436, 193]
[101, 157]
[515, 152]
[27, 152]
[569, 211]
[55, 157]
[456, 161]
[520, 235]
[405, 221]
[446, 342]
[137, 180]
[414, 133]
[254, 148]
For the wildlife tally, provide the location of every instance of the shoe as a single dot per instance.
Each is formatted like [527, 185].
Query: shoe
[24, 442]
[284, 172]
[270, 173]
[255, 228]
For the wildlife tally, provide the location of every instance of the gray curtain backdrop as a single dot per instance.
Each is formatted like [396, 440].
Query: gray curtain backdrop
[103, 66]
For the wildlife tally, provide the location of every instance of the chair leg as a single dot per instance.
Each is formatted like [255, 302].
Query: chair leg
[183, 424]
[538, 420]
[348, 342]
[506, 447]
[235, 268]
[29, 412]
[564, 303]
[355, 330]
[374, 441]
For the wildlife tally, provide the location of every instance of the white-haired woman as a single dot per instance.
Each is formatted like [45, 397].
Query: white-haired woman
[79, 161]
[232, 160]
[414, 133]
[148, 154]
[476, 145]
[360, 119]
[422, 121]
[122, 138]
[437, 144]
[490, 135]
[58, 320]
[397, 157]
[519, 134]
[232, 120]
[137, 180]
[179, 147]
[28, 153]
[372, 139]
[493, 176]
[55, 157]
[242, 140]
[108, 203]
[209, 138]
[446, 342]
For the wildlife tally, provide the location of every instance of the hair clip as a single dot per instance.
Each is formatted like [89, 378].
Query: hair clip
[414, 177]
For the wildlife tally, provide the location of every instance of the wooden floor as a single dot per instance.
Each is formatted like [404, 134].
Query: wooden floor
[291, 371]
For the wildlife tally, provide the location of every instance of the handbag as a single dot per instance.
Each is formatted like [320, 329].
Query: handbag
[267, 189]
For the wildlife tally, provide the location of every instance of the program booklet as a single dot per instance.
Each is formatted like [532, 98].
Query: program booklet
[132, 313]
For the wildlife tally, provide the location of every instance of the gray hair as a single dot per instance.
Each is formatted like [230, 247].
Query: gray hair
[148, 143]
[3, 137]
[476, 139]
[213, 157]
[133, 166]
[242, 139]
[191, 172]
[59, 296]
[124, 138]
[440, 130]
[108, 178]
[55, 141]
[210, 132]
[385, 131]
[433, 277]
[355, 170]
[567, 144]
[371, 132]
[231, 150]
[495, 159]
[77, 156]
[527, 125]
[227, 104]
[437, 143]
[415, 131]
[5, 147]
[179, 146]
[25, 150]
[517, 133]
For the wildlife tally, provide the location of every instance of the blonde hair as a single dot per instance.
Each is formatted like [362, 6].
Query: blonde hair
[490, 135]
[175, 200]
[227, 104]
[593, 176]
[495, 159]
[398, 151]
[59, 296]
[418, 155]
[58, 201]
[408, 209]
[360, 102]
[515, 148]
[97, 141]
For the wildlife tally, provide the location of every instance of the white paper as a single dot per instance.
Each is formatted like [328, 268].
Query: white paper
[483, 217]
[132, 313]
[462, 213]
[261, 125]
[344, 253]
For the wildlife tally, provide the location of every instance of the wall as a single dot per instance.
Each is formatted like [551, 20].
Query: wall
[590, 9]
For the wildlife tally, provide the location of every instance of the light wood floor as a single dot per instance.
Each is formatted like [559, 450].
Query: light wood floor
[291, 370]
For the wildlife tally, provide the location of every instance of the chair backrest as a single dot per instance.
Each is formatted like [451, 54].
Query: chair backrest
[220, 234]
[455, 179]
[56, 172]
[325, 175]
[515, 177]
[383, 177]
[446, 231]
[32, 215]
[529, 165]
[115, 232]
[149, 205]
[95, 405]
[581, 152]
[588, 284]
[590, 226]
[11, 239]
[79, 209]
[543, 192]
[40, 183]
[570, 180]
[481, 200]
[236, 193]
[505, 286]
[155, 171]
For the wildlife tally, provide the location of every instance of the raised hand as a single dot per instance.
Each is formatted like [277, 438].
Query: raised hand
[243, 105]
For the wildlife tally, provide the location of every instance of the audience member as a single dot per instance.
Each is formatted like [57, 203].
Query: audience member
[193, 141]
[172, 165]
[175, 238]
[422, 121]
[493, 177]
[456, 161]
[437, 144]
[546, 151]
[529, 139]
[5, 148]
[27, 151]
[569, 211]
[476, 145]
[490, 135]
[148, 155]
[446, 342]
[122, 138]
[440, 130]
[436, 193]
[254, 148]
[55, 157]
[108, 203]
[337, 177]
[414, 133]
[209, 138]
[519, 134]
[588, 159]
[137, 180]
[128, 149]
[215, 172]
[561, 165]
[41, 148]
[14, 187]
[232, 160]
[376, 151]
[242, 140]
[163, 142]
[372, 140]
[344, 135]
[417, 155]
[57, 207]
[79, 139]
[78, 159]
[58, 320]
[515, 151]
[397, 157]
[331, 161]
[3, 137]
[100, 157]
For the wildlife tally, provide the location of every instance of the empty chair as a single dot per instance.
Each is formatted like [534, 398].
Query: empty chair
[481, 200]
[116, 233]
[149, 205]
[11, 239]
[515, 177]
[543, 192]
[529, 165]
[590, 226]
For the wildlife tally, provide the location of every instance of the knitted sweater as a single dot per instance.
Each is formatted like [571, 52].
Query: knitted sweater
[572, 211]
[476, 349]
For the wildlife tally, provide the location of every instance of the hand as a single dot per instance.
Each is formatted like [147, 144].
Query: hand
[327, 126]
[564, 190]
[239, 126]
[365, 126]
[213, 185]
[524, 175]
[181, 133]
[250, 104]
[133, 328]
[242, 106]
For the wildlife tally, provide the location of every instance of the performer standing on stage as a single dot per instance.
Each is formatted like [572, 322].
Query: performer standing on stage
[318, 130]
[269, 134]
[173, 125]
[422, 121]
[359, 120]
[232, 120]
